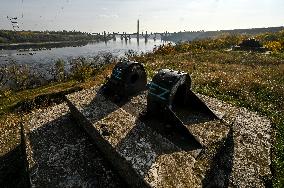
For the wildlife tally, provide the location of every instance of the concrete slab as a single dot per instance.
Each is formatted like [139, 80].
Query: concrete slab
[143, 155]
[60, 154]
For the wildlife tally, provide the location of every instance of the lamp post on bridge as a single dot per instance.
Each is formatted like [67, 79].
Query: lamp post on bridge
[138, 30]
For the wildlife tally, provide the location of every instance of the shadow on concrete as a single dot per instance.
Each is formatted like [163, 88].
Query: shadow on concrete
[12, 169]
[181, 137]
[65, 156]
[163, 125]
[222, 165]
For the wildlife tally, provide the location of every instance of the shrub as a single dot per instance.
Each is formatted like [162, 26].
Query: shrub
[81, 70]
[59, 74]
[274, 46]
[165, 49]
[20, 75]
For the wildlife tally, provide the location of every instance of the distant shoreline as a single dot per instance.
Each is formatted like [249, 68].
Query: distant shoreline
[25, 45]
[13, 40]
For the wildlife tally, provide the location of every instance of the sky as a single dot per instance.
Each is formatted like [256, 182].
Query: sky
[154, 15]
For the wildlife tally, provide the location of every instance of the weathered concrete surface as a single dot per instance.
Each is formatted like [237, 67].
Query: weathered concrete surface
[60, 154]
[251, 144]
[144, 156]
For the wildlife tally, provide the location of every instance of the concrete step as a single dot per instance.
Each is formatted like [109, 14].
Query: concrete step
[143, 153]
[60, 154]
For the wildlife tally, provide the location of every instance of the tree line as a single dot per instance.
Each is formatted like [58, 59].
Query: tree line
[8, 36]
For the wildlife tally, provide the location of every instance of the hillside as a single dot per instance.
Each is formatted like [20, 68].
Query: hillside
[194, 35]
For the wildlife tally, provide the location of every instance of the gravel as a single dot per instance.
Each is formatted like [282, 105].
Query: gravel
[9, 134]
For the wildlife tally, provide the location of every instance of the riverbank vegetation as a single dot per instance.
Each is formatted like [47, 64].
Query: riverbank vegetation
[19, 82]
[247, 79]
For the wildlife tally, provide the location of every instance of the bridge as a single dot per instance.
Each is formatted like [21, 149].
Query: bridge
[127, 36]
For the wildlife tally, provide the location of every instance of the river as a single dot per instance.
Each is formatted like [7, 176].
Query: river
[117, 47]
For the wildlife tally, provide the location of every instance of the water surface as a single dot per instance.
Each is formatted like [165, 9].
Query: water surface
[117, 47]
